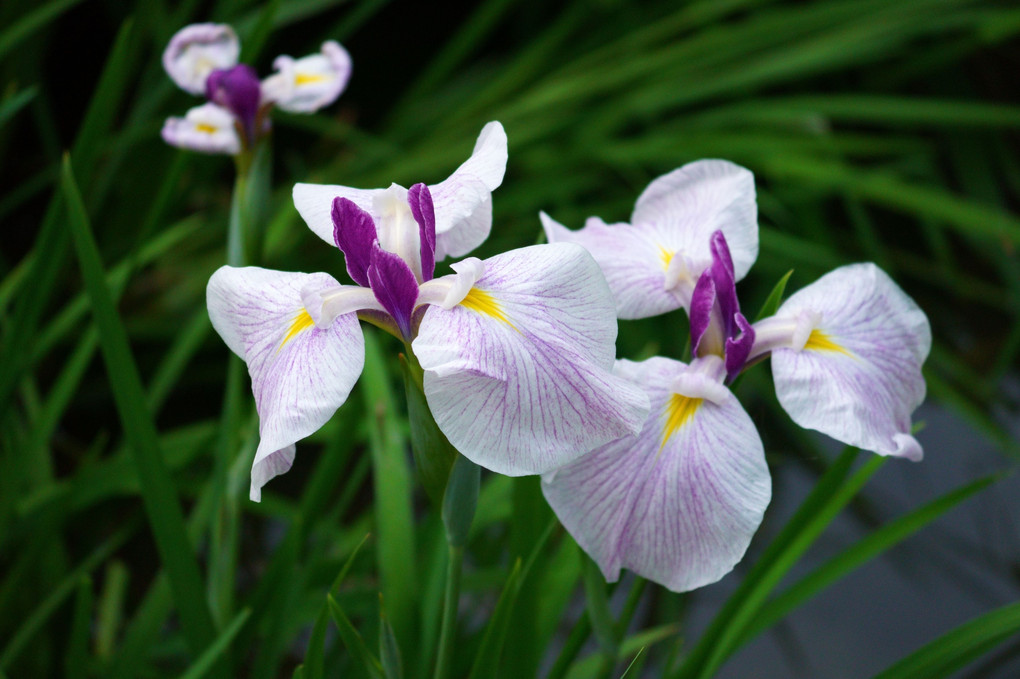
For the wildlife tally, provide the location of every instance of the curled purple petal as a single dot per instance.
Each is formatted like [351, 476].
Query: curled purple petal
[725, 285]
[354, 233]
[394, 286]
[420, 200]
[738, 348]
[702, 303]
[237, 89]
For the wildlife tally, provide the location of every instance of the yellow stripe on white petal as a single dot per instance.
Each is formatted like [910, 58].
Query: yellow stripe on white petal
[679, 411]
[484, 303]
[821, 341]
[302, 321]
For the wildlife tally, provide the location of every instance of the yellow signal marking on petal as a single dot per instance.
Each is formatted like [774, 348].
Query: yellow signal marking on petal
[301, 322]
[679, 412]
[484, 303]
[207, 128]
[309, 78]
[820, 341]
[666, 255]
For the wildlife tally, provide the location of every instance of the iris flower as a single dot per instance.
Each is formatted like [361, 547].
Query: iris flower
[680, 504]
[202, 60]
[517, 350]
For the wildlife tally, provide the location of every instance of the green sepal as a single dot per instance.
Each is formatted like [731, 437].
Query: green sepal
[775, 298]
[433, 454]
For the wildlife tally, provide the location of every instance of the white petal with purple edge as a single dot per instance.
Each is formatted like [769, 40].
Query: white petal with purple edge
[682, 209]
[305, 85]
[197, 50]
[519, 374]
[632, 262]
[207, 129]
[858, 378]
[680, 512]
[463, 202]
[300, 373]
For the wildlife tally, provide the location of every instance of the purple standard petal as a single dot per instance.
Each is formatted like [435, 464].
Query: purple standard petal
[518, 373]
[394, 286]
[679, 504]
[237, 89]
[738, 348]
[420, 200]
[725, 285]
[354, 233]
[703, 308]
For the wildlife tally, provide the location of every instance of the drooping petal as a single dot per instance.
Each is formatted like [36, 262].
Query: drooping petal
[682, 209]
[300, 373]
[420, 200]
[677, 505]
[463, 202]
[518, 374]
[354, 233]
[236, 89]
[207, 129]
[394, 286]
[634, 265]
[305, 85]
[858, 376]
[197, 50]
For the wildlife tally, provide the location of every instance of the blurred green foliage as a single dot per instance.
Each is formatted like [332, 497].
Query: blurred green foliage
[883, 131]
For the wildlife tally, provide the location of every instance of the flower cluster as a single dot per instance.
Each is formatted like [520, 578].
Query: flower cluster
[517, 350]
[679, 503]
[203, 60]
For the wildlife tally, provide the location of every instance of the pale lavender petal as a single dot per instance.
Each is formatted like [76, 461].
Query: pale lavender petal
[518, 375]
[300, 373]
[354, 233]
[682, 209]
[314, 202]
[197, 50]
[420, 200]
[463, 202]
[858, 378]
[677, 505]
[394, 286]
[305, 85]
[207, 129]
[634, 264]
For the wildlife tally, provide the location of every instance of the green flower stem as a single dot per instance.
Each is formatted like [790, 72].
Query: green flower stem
[451, 598]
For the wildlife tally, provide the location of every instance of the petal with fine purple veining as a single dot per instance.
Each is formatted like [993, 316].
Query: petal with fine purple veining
[677, 505]
[518, 375]
[300, 373]
[858, 378]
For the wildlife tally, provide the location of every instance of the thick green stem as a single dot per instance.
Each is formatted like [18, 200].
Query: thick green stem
[451, 599]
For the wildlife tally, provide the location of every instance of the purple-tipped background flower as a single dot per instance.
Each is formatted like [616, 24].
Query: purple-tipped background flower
[202, 60]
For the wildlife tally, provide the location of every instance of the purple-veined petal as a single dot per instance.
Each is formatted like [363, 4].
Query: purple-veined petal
[463, 202]
[677, 505]
[300, 373]
[305, 85]
[858, 377]
[354, 233]
[197, 50]
[236, 89]
[519, 374]
[207, 129]
[682, 209]
[394, 286]
[420, 200]
[634, 265]
[314, 202]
